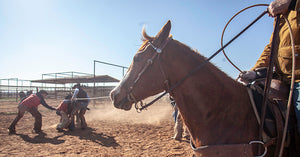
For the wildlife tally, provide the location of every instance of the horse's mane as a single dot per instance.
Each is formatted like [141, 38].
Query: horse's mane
[198, 56]
[187, 50]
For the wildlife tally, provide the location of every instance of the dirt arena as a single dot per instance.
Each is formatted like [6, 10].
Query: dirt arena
[110, 132]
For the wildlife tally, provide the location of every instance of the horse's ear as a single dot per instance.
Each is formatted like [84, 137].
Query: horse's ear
[163, 34]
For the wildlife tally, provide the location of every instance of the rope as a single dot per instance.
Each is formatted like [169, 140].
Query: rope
[273, 54]
[253, 104]
[92, 98]
[226, 27]
[291, 88]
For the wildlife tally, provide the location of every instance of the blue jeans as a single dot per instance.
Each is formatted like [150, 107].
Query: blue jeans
[175, 114]
[83, 105]
[296, 102]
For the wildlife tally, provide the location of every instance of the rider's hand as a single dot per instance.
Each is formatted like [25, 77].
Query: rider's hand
[278, 7]
[247, 77]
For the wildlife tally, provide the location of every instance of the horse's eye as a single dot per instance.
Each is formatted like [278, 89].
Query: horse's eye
[137, 57]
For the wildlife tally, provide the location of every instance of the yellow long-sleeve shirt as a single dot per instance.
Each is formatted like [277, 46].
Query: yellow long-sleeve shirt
[283, 63]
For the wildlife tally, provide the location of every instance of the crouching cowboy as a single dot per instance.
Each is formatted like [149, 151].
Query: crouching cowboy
[30, 104]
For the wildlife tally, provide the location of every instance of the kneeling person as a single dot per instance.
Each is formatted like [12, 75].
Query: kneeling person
[62, 110]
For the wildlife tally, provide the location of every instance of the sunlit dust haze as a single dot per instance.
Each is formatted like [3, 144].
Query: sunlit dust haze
[154, 114]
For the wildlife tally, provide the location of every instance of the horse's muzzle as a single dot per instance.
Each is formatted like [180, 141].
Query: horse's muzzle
[123, 103]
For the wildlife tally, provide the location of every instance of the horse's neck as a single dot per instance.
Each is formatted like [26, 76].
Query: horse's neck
[215, 108]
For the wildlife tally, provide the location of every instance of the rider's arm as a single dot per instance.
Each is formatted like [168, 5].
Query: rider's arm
[75, 94]
[264, 58]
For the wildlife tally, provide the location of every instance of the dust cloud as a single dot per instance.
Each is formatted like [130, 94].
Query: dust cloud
[154, 114]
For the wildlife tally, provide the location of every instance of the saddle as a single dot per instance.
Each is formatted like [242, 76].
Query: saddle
[276, 110]
[276, 103]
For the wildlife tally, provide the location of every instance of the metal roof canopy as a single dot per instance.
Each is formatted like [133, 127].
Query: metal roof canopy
[75, 77]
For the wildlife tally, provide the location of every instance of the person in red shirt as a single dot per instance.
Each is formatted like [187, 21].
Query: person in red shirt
[30, 105]
[62, 110]
[22, 96]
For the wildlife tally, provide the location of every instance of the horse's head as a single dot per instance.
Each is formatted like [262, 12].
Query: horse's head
[145, 77]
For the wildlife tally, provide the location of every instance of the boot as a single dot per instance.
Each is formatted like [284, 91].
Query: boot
[11, 131]
[12, 128]
[82, 119]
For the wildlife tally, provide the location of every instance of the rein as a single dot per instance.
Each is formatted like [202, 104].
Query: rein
[142, 107]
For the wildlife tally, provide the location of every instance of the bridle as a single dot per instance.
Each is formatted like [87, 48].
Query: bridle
[158, 50]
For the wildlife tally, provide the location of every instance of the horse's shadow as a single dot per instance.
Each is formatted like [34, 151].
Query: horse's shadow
[89, 134]
[41, 138]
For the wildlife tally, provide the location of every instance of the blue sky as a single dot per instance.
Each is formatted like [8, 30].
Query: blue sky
[50, 36]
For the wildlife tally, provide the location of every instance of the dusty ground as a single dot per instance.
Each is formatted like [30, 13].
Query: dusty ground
[111, 132]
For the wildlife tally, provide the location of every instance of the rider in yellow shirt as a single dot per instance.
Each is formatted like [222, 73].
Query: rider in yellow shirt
[283, 62]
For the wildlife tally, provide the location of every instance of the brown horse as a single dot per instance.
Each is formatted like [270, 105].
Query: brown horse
[215, 108]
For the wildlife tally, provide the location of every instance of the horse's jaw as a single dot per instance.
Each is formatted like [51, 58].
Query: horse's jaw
[120, 102]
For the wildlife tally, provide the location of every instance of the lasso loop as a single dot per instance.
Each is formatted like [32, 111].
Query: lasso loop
[256, 5]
